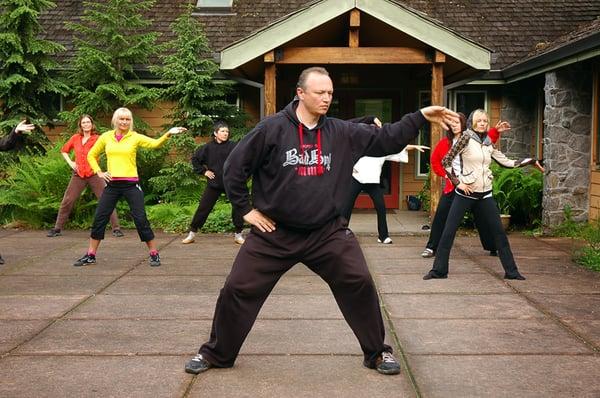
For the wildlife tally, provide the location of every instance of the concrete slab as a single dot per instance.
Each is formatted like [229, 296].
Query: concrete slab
[506, 376]
[419, 265]
[569, 306]
[476, 336]
[544, 283]
[463, 306]
[76, 376]
[456, 283]
[300, 376]
[37, 307]
[588, 329]
[118, 337]
[52, 285]
[15, 332]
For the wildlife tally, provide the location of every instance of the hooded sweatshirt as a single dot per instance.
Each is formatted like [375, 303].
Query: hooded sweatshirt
[305, 188]
[211, 156]
[10, 141]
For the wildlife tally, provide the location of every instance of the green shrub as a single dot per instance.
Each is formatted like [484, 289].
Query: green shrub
[518, 192]
[173, 217]
[589, 255]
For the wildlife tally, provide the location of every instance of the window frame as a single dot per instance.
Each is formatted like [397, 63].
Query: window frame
[454, 94]
[424, 98]
[215, 7]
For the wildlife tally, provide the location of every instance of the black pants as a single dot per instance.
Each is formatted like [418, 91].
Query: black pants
[486, 207]
[376, 194]
[439, 221]
[332, 252]
[207, 202]
[134, 196]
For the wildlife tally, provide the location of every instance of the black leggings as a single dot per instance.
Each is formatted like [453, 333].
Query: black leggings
[133, 194]
[207, 202]
[376, 194]
[487, 208]
[439, 221]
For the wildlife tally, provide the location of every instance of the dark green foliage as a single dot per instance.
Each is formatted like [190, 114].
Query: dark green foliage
[187, 65]
[110, 39]
[424, 194]
[176, 218]
[518, 192]
[25, 64]
[589, 255]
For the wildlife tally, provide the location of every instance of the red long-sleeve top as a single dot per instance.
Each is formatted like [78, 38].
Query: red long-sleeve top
[442, 148]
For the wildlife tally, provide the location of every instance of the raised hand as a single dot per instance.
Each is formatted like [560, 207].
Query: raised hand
[176, 130]
[502, 126]
[24, 126]
[440, 115]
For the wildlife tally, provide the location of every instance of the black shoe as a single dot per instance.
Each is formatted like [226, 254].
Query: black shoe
[493, 253]
[197, 365]
[433, 275]
[53, 232]
[85, 260]
[117, 233]
[385, 364]
[516, 276]
[1, 260]
[155, 260]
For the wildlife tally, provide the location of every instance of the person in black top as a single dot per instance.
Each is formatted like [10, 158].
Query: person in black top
[301, 163]
[208, 160]
[9, 141]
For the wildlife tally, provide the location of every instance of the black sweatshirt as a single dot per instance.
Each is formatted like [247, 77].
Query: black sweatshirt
[211, 156]
[10, 141]
[270, 155]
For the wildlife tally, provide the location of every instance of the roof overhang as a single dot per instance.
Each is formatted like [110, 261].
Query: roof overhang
[315, 14]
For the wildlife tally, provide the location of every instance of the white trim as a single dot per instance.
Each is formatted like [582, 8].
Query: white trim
[453, 94]
[418, 171]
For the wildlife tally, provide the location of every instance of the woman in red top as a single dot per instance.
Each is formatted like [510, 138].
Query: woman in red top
[81, 143]
[441, 213]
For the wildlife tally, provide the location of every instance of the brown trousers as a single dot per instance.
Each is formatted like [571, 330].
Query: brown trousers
[332, 252]
[73, 192]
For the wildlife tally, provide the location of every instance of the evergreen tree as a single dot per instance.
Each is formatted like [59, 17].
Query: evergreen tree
[25, 64]
[188, 67]
[111, 39]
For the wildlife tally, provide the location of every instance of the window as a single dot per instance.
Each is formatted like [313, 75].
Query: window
[466, 101]
[214, 7]
[422, 166]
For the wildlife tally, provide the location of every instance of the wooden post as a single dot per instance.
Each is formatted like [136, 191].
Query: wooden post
[437, 92]
[354, 28]
[270, 83]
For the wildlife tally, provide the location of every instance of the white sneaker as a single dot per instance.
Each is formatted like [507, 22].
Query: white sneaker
[189, 238]
[386, 241]
[239, 239]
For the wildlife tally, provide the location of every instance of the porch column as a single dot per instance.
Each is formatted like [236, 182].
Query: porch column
[270, 83]
[437, 92]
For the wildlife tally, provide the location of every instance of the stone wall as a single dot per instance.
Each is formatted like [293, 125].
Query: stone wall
[519, 102]
[567, 143]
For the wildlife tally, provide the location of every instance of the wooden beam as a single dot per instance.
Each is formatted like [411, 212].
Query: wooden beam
[358, 55]
[437, 92]
[270, 56]
[353, 35]
[355, 18]
[439, 57]
[270, 89]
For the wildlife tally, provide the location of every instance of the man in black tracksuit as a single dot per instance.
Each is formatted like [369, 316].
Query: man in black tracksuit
[301, 163]
[10, 141]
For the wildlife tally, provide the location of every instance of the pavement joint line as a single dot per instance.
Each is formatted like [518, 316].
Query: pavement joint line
[509, 354]
[74, 307]
[538, 307]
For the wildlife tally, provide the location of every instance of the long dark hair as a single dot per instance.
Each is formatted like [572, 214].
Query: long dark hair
[463, 126]
[80, 131]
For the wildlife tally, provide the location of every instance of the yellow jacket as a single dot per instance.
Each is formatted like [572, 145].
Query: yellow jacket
[121, 155]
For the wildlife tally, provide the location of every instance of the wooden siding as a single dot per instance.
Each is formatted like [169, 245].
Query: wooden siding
[595, 195]
[409, 183]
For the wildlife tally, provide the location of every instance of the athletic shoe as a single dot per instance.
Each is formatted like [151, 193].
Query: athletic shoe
[53, 232]
[432, 275]
[85, 260]
[117, 233]
[1, 260]
[517, 276]
[197, 365]
[427, 253]
[155, 260]
[189, 238]
[386, 241]
[385, 364]
[239, 239]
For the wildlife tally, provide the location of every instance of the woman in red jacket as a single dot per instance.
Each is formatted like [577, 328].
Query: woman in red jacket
[441, 213]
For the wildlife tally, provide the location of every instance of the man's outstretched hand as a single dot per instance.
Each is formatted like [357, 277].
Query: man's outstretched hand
[440, 115]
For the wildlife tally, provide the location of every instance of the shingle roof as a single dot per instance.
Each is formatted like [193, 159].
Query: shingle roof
[511, 28]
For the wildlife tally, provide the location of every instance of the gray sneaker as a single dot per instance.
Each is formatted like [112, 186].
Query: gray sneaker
[197, 365]
[386, 364]
[155, 260]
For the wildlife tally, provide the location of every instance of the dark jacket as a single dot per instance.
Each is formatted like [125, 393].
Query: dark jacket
[10, 141]
[211, 156]
[270, 155]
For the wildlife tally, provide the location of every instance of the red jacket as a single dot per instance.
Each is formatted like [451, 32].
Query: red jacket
[442, 148]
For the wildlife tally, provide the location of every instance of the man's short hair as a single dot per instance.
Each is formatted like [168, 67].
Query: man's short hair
[304, 75]
[219, 124]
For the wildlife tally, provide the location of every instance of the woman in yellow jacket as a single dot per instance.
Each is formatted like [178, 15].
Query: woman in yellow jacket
[120, 146]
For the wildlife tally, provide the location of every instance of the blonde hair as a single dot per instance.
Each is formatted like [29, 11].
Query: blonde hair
[478, 112]
[121, 112]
